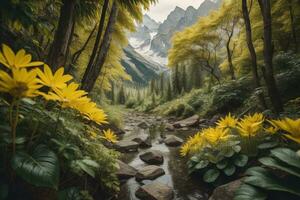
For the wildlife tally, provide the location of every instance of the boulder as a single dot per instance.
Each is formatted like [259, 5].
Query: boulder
[170, 127]
[155, 191]
[127, 146]
[149, 172]
[125, 171]
[214, 119]
[153, 157]
[188, 122]
[173, 141]
[143, 125]
[144, 142]
[226, 192]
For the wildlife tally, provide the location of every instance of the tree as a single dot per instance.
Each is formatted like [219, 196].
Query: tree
[252, 52]
[121, 96]
[265, 6]
[63, 35]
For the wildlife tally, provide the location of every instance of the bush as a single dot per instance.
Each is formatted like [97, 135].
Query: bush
[188, 111]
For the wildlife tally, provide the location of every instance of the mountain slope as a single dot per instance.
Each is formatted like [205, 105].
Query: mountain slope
[140, 69]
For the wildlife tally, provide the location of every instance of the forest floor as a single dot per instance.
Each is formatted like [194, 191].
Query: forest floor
[176, 176]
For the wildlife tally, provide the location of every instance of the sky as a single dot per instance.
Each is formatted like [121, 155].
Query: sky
[160, 11]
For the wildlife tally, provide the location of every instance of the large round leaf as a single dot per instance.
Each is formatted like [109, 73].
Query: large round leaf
[222, 164]
[249, 192]
[202, 164]
[211, 175]
[241, 160]
[229, 170]
[70, 194]
[41, 168]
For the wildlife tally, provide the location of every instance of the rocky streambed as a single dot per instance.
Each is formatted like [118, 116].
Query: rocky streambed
[151, 167]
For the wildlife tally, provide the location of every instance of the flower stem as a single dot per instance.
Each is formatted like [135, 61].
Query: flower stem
[57, 120]
[14, 123]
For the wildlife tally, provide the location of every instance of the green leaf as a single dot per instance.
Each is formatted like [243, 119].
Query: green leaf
[229, 153]
[230, 170]
[241, 160]
[268, 145]
[202, 164]
[91, 163]
[222, 164]
[271, 162]
[287, 155]
[86, 168]
[249, 192]
[264, 179]
[40, 169]
[211, 175]
[195, 159]
[70, 194]
[237, 148]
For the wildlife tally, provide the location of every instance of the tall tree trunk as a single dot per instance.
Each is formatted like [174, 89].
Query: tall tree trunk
[252, 52]
[58, 51]
[293, 28]
[67, 67]
[229, 53]
[97, 41]
[78, 53]
[92, 75]
[265, 6]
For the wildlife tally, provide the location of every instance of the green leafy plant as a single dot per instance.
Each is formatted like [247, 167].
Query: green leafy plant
[279, 173]
[223, 162]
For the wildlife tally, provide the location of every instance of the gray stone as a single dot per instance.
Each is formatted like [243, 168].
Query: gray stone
[144, 142]
[127, 146]
[143, 125]
[188, 122]
[155, 191]
[149, 172]
[173, 141]
[154, 157]
[125, 171]
[170, 127]
[226, 192]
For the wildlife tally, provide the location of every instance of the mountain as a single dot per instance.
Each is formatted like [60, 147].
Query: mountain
[141, 70]
[177, 20]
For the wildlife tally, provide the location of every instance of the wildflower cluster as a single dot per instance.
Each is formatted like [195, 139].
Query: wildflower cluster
[22, 78]
[248, 127]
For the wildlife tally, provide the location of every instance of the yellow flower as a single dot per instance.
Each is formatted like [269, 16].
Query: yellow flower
[248, 128]
[93, 134]
[22, 83]
[110, 136]
[97, 115]
[184, 149]
[56, 80]
[15, 61]
[257, 117]
[272, 129]
[215, 135]
[227, 122]
[68, 96]
[291, 126]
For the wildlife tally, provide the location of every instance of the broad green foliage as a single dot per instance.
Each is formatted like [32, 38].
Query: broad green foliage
[280, 172]
[50, 127]
[218, 152]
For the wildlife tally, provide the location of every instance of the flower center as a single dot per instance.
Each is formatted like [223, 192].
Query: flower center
[19, 90]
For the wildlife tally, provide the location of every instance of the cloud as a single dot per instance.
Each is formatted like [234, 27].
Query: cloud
[160, 11]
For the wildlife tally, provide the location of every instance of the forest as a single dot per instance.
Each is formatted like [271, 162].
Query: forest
[88, 110]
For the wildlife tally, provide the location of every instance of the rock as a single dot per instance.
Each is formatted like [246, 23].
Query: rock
[144, 142]
[170, 127]
[149, 172]
[127, 146]
[154, 157]
[173, 141]
[184, 129]
[125, 171]
[155, 191]
[226, 192]
[143, 125]
[188, 122]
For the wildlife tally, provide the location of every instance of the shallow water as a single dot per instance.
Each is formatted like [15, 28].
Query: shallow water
[176, 175]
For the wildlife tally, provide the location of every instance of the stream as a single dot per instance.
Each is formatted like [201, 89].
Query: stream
[176, 172]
